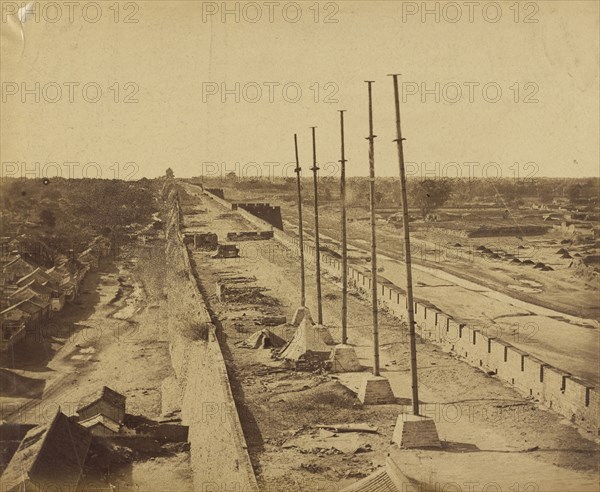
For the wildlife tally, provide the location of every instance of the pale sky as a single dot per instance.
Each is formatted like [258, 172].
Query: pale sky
[177, 50]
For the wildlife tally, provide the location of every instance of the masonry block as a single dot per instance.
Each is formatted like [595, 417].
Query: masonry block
[453, 335]
[420, 312]
[576, 393]
[264, 211]
[343, 359]
[300, 314]
[533, 374]
[555, 383]
[415, 432]
[481, 350]
[375, 390]
[498, 358]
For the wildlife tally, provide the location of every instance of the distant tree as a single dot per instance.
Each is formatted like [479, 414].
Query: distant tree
[53, 195]
[589, 189]
[546, 195]
[357, 192]
[511, 193]
[429, 194]
[574, 191]
[47, 217]
[169, 173]
[327, 185]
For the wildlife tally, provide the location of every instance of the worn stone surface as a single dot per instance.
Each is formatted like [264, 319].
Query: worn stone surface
[344, 359]
[300, 314]
[413, 431]
[375, 390]
[308, 338]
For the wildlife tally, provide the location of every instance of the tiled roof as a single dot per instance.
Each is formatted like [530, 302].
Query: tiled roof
[107, 394]
[36, 287]
[102, 420]
[24, 306]
[55, 451]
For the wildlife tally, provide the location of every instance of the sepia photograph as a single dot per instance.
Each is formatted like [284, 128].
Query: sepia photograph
[300, 246]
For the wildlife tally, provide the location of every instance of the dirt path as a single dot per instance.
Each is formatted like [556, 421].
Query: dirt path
[568, 342]
[113, 336]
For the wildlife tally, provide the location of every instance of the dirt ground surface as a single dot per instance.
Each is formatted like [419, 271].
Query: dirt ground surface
[280, 409]
[568, 342]
[550, 314]
[113, 335]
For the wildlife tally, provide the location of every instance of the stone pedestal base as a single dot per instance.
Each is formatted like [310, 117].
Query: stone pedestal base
[376, 390]
[301, 313]
[343, 359]
[413, 431]
[308, 338]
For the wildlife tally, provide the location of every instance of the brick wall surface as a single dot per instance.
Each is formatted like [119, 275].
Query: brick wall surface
[219, 455]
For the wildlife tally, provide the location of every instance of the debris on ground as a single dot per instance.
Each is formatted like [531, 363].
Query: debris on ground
[350, 427]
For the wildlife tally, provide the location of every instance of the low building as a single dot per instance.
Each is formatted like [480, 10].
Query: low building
[57, 301]
[32, 313]
[17, 269]
[68, 284]
[105, 402]
[42, 278]
[227, 251]
[32, 289]
[89, 258]
[22, 310]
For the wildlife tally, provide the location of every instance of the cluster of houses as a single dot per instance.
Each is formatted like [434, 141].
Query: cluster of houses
[30, 294]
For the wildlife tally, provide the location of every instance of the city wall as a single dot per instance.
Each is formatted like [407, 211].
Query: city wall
[556, 389]
[219, 454]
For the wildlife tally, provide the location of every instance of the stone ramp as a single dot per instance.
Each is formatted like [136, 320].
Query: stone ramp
[437, 470]
[309, 338]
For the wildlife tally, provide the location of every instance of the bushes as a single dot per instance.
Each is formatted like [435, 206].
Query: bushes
[76, 210]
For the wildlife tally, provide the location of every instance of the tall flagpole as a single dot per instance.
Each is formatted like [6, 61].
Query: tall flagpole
[344, 237]
[407, 257]
[371, 139]
[298, 170]
[314, 169]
